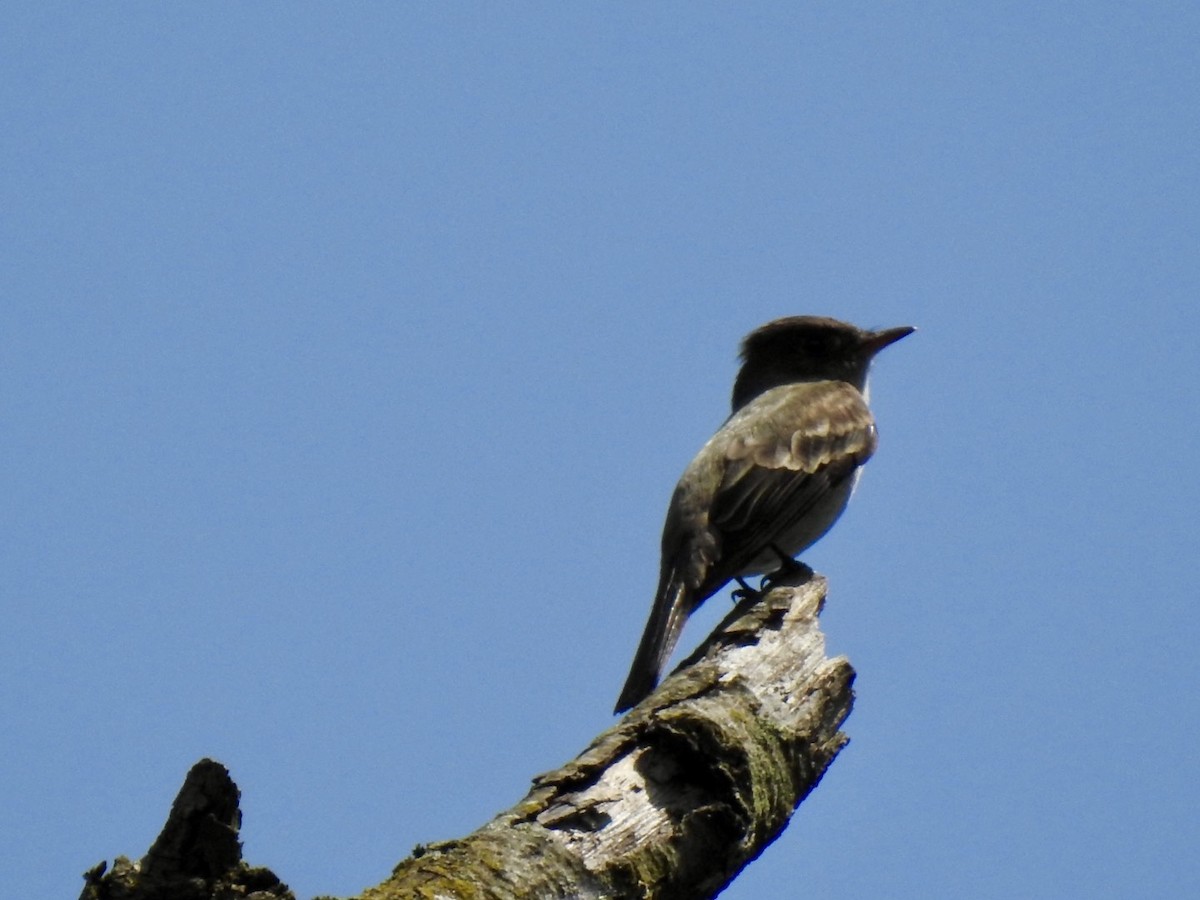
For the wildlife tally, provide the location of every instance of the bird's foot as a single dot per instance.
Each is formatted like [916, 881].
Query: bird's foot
[790, 569]
[745, 592]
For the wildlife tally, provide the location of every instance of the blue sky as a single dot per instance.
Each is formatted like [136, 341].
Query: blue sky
[350, 354]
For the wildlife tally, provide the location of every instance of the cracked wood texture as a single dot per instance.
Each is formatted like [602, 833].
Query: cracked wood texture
[672, 802]
[685, 791]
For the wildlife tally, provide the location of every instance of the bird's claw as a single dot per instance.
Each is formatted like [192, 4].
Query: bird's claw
[789, 567]
[745, 592]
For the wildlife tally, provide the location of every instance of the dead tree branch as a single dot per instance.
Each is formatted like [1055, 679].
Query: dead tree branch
[672, 802]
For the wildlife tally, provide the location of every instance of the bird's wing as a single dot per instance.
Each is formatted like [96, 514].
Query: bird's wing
[784, 453]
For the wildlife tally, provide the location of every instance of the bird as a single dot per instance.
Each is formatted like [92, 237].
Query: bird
[772, 480]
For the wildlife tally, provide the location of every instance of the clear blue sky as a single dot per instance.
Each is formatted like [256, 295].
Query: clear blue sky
[350, 354]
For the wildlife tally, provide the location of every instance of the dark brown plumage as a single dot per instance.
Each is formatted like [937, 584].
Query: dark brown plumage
[772, 480]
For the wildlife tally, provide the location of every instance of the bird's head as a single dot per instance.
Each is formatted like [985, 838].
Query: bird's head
[808, 348]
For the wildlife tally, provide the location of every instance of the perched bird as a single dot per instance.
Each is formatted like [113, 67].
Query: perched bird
[772, 480]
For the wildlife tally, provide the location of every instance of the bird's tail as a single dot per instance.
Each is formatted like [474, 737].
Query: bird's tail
[672, 606]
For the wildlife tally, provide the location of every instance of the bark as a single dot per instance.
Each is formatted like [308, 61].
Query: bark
[672, 802]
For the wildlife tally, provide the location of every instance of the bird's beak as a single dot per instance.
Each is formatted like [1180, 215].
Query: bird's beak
[877, 340]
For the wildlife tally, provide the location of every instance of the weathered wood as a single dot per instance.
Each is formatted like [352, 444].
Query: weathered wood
[197, 856]
[672, 802]
[682, 793]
